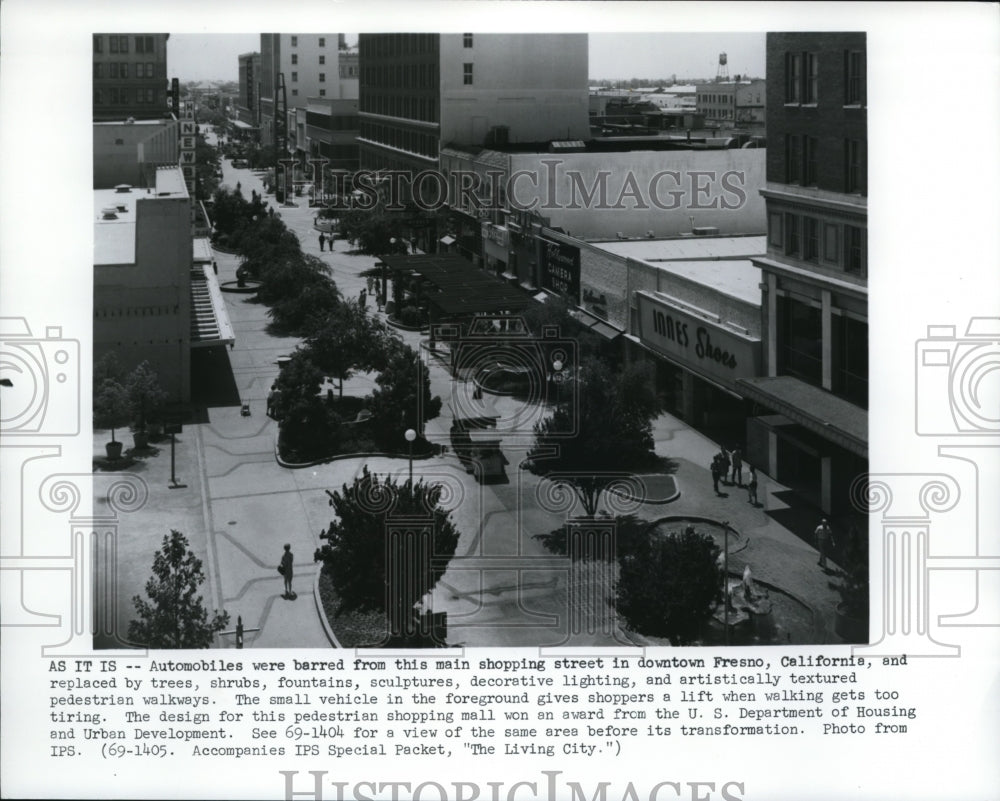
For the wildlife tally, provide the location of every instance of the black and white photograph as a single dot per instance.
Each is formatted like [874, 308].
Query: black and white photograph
[482, 404]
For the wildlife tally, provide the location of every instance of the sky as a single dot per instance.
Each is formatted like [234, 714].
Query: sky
[612, 55]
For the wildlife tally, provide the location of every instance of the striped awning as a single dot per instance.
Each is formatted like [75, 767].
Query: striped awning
[210, 324]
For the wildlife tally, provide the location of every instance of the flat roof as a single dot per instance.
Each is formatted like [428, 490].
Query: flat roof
[114, 225]
[720, 263]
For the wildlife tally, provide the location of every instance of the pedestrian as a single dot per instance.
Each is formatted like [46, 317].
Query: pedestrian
[724, 463]
[716, 472]
[369, 282]
[824, 540]
[752, 486]
[737, 467]
[285, 567]
[363, 298]
[322, 241]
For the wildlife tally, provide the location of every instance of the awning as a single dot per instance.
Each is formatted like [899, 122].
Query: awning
[210, 324]
[243, 125]
[832, 418]
[447, 240]
[596, 324]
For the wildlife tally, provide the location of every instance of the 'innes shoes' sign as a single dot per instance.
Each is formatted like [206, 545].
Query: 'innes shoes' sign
[702, 345]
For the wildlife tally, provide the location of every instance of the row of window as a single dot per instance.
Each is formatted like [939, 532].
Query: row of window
[332, 122]
[800, 348]
[295, 43]
[408, 107]
[295, 59]
[119, 69]
[802, 78]
[717, 99]
[819, 241]
[120, 44]
[402, 139]
[802, 159]
[321, 76]
[115, 96]
[401, 76]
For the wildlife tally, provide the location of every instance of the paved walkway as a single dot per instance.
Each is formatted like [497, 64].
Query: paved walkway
[502, 588]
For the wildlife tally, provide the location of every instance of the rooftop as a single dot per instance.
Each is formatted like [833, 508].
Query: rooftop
[722, 263]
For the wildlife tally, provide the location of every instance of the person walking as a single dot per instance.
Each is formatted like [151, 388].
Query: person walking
[752, 486]
[737, 467]
[322, 241]
[724, 464]
[363, 298]
[824, 540]
[286, 570]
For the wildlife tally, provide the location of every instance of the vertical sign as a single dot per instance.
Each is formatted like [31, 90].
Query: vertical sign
[561, 269]
[187, 141]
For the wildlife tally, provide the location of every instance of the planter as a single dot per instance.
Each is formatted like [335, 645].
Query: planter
[850, 629]
[140, 439]
[113, 450]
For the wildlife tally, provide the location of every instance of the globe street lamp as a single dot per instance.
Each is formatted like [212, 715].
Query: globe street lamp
[410, 436]
[557, 367]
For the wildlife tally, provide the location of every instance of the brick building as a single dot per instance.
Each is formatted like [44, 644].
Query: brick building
[130, 76]
[810, 428]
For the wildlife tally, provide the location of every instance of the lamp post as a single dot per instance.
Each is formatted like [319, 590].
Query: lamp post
[410, 436]
[557, 367]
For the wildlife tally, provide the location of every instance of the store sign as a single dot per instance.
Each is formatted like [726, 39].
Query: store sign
[495, 234]
[694, 342]
[186, 153]
[561, 269]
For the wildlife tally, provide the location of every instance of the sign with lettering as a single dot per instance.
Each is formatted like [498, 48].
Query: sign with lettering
[187, 127]
[561, 269]
[704, 346]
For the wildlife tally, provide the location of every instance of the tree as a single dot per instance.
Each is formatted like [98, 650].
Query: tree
[146, 396]
[360, 547]
[348, 338]
[308, 425]
[111, 406]
[403, 389]
[174, 616]
[669, 585]
[612, 416]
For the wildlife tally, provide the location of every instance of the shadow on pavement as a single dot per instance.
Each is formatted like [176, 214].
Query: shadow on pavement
[212, 380]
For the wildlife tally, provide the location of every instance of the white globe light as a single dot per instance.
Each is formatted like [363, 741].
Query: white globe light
[410, 435]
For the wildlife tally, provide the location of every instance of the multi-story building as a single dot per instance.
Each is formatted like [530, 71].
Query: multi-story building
[811, 426]
[732, 103]
[130, 76]
[311, 67]
[247, 106]
[421, 91]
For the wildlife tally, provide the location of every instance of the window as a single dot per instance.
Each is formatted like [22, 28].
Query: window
[811, 239]
[467, 74]
[322, 41]
[295, 41]
[800, 339]
[113, 69]
[831, 238]
[853, 178]
[849, 356]
[122, 44]
[322, 59]
[793, 77]
[793, 159]
[295, 77]
[98, 70]
[149, 70]
[812, 78]
[466, 40]
[123, 69]
[854, 260]
[98, 97]
[98, 44]
[854, 80]
[322, 77]
[112, 44]
[774, 236]
[295, 92]
[322, 92]
[150, 95]
[810, 146]
[295, 58]
[792, 239]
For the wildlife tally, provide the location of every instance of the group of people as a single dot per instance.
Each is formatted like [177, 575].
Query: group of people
[727, 467]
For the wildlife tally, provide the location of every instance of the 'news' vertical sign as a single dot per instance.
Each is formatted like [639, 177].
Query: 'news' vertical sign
[187, 153]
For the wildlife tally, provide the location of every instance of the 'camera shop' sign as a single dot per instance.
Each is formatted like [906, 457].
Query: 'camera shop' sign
[561, 269]
[694, 342]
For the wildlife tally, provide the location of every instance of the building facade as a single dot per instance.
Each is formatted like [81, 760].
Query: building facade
[811, 426]
[247, 106]
[130, 76]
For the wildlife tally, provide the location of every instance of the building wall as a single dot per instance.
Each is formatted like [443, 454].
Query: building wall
[129, 76]
[639, 187]
[249, 80]
[535, 84]
[124, 153]
[143, 310]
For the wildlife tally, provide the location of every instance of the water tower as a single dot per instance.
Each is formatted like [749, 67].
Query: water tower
[723, 72]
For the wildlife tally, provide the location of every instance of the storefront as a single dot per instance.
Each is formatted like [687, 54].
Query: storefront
[698, 361]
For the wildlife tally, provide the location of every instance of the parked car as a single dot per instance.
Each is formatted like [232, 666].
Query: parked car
[241, 164]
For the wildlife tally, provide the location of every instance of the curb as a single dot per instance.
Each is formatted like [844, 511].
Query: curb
[341, 456]
[322, 614]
